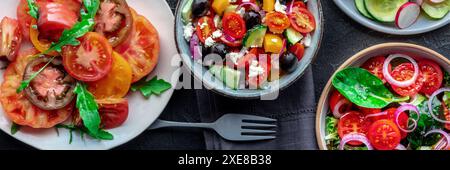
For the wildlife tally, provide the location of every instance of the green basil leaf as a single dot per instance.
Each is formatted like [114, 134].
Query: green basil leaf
[15, 128]
[364, 89]
[87, 108]
[154, 86]
[33, 9]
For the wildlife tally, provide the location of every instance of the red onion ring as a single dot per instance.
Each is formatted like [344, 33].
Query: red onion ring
[229, 38]
[195, 47]
[400, 147]
[252, 5]
[336, 110]
[377, 114]
[407, 107]
[441, 132]
[430, 104]
[387, 73]
[355, 137]
[440, 145]
[289, 10]
[283, 49]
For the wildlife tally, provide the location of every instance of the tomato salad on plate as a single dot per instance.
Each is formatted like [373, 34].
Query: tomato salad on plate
[393, 102]
[252, 42]
[84, 57]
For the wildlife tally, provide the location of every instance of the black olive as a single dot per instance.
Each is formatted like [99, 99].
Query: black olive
[252, 19]
[283, 2]
[288, 62]
[200, 8]
[219, 49]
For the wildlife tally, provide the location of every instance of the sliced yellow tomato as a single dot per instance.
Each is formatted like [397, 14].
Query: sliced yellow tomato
[273, 43]
[219, 6]
[268, 5]
[40, 45]
[116, 83]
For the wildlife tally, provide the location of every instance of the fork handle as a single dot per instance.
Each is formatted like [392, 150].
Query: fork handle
[164, 123]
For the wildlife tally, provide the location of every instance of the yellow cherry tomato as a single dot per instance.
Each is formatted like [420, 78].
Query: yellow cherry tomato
[273, 43]
[268, 5]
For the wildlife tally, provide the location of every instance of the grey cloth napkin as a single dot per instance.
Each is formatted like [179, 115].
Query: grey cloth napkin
[294, 109]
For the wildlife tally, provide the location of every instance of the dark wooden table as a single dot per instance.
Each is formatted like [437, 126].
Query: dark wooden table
[343, 37]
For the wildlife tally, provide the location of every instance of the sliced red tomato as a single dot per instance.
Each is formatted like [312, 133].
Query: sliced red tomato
[10, 39]
[141, 49]
[384, 135]
[404, 72]
[54, 18]
[114, 20]
[375, 66]
[299, 50]
[90, 61]
[113, 112]
[277, 22]
[335, 98]
[368, 111]
[402, 120]
[24, 18]
[433, 76]
[297, 4]
[41, 45]
[16, 105]
[352, 122]
[205, 28]
[302, 20]
[233, 25]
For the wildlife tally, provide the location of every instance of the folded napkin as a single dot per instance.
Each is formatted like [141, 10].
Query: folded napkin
[294, 110]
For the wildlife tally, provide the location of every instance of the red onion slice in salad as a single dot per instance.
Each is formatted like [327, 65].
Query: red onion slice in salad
[195, 47]
[252, 5]
[444, 134]
[430, 104]
[440, 145]
[407, 107]
[289, 9]
[355, 137]
[400, 147]
[387, 73]
[337, 108]
[377, 114]
[283, 49]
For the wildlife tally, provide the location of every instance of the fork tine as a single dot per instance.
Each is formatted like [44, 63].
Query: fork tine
[257, 131]
[256, 118]
[258, 125]
[252, 138]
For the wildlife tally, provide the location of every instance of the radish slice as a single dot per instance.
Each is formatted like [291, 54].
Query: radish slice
[407, 15]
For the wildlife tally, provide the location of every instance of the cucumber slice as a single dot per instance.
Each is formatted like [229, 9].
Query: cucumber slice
[293, 36]
[436, 11]
[186, 12]
[255, 36]
[362, 9]
[384, 10]
[229, 76]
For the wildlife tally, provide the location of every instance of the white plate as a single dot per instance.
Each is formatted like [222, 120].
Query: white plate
[422, 25]
[142, 111]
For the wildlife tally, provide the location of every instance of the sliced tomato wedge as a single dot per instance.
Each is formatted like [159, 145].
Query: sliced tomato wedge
[113, 112]
[233, 25]
[375, 66]
[299, 50]
[54, 18]
[16, 105]
[277, 22]
[10, 38]
[91, 61]
[402, 120]
[433, 76]
[41, 45]
[335, 98]
[302, 20]
[404, 72]
[114, 20]
[352, 122]
[205, 28]
[368, 111]
[141, 49]
[384, 135]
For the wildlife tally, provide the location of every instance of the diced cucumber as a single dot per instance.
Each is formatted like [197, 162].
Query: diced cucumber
[293, 36]
[186, 12]
[383, 10]
[362, 9]
[229, 76]
[230, 8]
[436, 11]
[255, 36]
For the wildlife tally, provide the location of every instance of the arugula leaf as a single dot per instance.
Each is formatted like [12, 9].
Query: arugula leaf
[102, 135]
[154, 86]
[33, 9]
[87, 108]
[24, 84]
[364, 89]
[15, 128]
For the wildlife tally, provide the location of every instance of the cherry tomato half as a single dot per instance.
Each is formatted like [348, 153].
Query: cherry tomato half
[90, 61]
[233, 25]
[299, 50]
[352, 122]
[302, 20]
[384, 135]
[404, 72]
[205, 28]
[375, 66]
[432, 75]
[335, 98]
[277, 22]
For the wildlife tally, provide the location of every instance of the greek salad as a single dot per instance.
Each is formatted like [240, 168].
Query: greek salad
[403, 13]
[85, 56]
[248, 43]
[393, 102]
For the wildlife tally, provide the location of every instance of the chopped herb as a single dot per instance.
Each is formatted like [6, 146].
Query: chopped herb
[154, 86]
[88, 109]
[14, 128]
[33, 9]
[102, 135]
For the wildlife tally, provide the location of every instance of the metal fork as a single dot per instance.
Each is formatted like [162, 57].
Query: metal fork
[233, 127]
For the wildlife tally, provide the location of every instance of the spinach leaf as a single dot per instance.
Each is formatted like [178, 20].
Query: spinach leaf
[332, 137]
[87, 108]
[154, 86]
[364, 89]
[33, 9]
